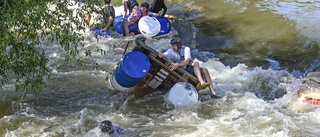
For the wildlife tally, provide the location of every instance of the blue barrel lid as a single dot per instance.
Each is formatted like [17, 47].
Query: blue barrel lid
[136, 64]
[165, 25]
[101, 33]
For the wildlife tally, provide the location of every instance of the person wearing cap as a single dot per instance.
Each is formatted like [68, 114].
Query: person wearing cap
[181, 56]
[108, 127]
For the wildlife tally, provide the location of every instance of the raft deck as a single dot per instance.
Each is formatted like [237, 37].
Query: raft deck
[160, 76]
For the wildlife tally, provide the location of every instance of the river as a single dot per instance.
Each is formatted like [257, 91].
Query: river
[257, 53]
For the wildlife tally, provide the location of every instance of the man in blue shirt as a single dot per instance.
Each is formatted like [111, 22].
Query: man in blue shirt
[110, 128]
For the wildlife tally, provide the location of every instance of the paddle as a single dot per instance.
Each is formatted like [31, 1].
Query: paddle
[125, 50]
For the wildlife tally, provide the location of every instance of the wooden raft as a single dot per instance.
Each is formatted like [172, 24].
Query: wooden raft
[160, 76]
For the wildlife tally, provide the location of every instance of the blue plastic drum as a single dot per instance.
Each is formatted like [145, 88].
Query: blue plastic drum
[101, 33]
[118, 26]
[134, 66]
[165, 25]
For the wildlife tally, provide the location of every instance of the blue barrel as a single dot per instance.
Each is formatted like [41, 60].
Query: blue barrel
[134, 66]
[165, 25]
[101, 33]
[118, 26]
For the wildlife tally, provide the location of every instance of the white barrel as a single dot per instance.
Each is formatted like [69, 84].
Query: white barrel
[181, 94]
[114, 85]
[149, 26]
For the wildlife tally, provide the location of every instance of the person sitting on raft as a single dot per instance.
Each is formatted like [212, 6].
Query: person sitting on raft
[181, 57]
[134, 17]
[145, 10]
[128, 5]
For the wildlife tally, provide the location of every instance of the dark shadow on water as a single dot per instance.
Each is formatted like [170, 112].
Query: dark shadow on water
[291, 54]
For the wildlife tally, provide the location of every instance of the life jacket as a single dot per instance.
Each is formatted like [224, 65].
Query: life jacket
[144, 13]
[131, 4]
[182, 57]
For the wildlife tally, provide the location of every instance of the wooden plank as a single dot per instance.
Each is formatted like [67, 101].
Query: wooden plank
[157, 63]
[167, 68]
[181, 70]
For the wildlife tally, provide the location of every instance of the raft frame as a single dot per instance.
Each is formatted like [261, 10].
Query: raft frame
[160, 76]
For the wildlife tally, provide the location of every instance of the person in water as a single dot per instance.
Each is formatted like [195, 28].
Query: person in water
[181, 56]
[108, 15]
[138, 40]
[108, 127]
[158, 5]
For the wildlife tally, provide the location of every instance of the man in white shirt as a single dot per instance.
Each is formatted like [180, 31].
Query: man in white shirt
[181, 56]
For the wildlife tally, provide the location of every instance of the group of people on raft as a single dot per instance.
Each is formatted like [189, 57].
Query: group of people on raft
[108, 15]
[179, 54]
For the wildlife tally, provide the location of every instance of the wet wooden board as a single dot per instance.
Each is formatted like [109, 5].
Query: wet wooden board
[160, 76]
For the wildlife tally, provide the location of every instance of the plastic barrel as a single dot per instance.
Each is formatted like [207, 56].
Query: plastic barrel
[165, 25]
[134, 66]
[101, 33]
[149, 26]
[181, 94]
[118, 26]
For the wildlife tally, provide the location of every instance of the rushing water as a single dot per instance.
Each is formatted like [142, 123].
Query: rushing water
[254, 51]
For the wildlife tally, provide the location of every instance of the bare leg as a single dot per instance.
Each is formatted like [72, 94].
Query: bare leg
[208, 79]
[126, 27]
[197, 72]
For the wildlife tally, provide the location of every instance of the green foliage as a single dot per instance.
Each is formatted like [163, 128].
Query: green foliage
[24, 24]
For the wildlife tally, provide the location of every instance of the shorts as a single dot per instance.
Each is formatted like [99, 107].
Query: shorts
[190, 70]
[135, 16]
